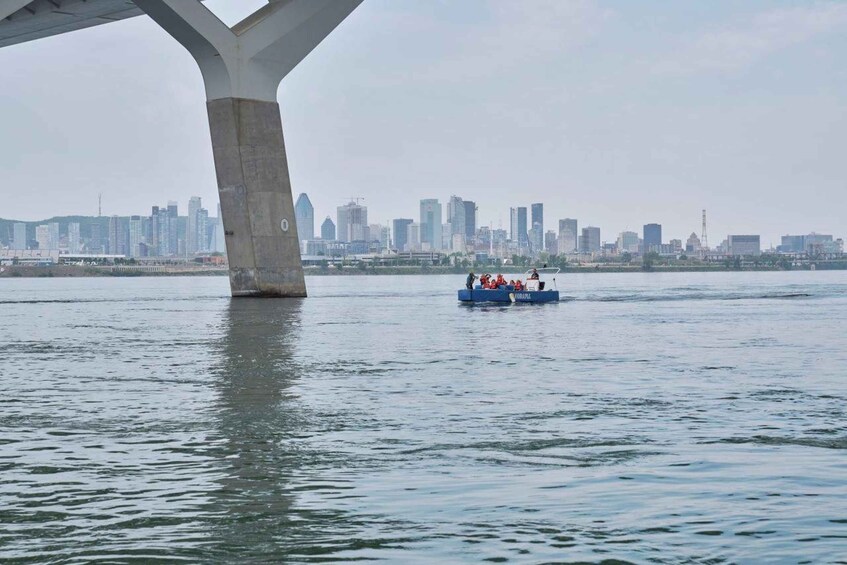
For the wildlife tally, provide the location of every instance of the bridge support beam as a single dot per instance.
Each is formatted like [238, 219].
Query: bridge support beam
[242, 67]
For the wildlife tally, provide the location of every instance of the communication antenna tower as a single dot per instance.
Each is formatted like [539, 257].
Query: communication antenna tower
[100, 205]
[704, 238]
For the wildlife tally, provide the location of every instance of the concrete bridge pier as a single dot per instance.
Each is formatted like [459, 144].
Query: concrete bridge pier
[242, 67]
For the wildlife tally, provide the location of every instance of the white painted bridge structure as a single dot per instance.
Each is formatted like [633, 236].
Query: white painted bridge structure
[242, 67]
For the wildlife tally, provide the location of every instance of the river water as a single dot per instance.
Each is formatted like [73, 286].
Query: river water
[645, 417]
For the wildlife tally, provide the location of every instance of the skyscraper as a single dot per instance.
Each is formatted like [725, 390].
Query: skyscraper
[218, 239]
[513, 224]
[74, 238]
[352, 222]
[456, 217]
[470, 220]
[135, 236]
[304, 212]
[173, 228]
[628, 242]
[202, 230]
[400, 226]
[42, 236]
[522, 229]
[413, 237]
[538, 216]
[19, 239]
[113, 236]
[568, 235]
[54, 235]
[430, 224]
[536, 238]
[590, 241]
[328, 229]
[652, 237]
[192, 241]
[95, 241]
[551, 243]
[154, 234]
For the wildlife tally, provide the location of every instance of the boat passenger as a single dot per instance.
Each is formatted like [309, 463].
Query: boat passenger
[470, 281]
[518, 285]
[534, 275]
[500, 280]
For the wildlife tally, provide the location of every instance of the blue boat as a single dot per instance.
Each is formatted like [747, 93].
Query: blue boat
[534, 291]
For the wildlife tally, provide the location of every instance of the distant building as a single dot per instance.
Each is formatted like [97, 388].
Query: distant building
[458, 244]
[820, 244]
[693, 245]
[430, 225]
[173, 227]
[551, 242]
[538, 217]
[590, 240]
[352, 222]
[628, 242]
[378, 233]
[202, 230]
[42, 237]
[792, 244]
[328, 229]
[304, 213]
[811, 244]
[218, 237]
[74, 238]
[470, 221]
[19, 238]
[523, 233]
[456, 217]
[568, 235]
[652, 237]
[54, 235]
[535, 238]
[135, 236]
[401, 226]
[413, 237]
[483, 237]
[95, 244]
[740, 245]
[192, 241]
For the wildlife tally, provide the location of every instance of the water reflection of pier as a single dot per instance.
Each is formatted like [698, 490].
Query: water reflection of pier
[252, 508]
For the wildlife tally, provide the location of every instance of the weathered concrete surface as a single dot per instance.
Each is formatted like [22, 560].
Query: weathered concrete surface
[256, 201]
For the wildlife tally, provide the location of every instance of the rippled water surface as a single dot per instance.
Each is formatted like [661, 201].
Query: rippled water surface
[645, 417]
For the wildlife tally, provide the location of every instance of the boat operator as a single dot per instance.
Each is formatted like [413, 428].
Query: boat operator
[534, 275]
[470, 281]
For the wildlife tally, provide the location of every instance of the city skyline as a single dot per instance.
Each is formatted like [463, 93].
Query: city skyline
[439, 227]
[556, 129]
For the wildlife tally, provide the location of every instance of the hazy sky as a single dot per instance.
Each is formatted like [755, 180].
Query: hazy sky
[616, 113]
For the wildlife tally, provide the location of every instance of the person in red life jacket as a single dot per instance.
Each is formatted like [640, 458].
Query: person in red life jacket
[483, 280]
[500, 280]
[518, 285]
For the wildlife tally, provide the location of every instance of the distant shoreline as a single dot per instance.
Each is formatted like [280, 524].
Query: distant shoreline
[74, 271]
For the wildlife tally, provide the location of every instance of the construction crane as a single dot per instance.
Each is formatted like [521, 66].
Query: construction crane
[356, 199]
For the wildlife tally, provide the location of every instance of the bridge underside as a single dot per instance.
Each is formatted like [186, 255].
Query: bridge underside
[27, 20]
[242, 67]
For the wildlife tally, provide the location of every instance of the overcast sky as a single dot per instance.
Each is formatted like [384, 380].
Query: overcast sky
[615, 113]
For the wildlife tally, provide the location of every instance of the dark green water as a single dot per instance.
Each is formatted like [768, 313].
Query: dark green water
[646, 417]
